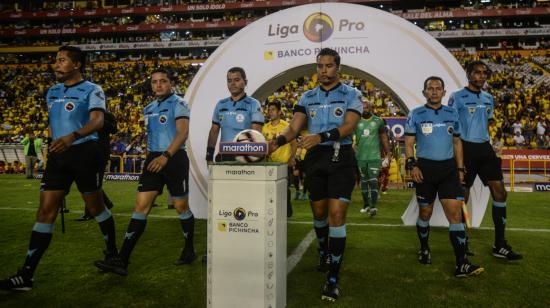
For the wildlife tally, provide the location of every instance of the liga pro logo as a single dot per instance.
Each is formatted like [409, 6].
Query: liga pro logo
[318, 27]
[239, 213]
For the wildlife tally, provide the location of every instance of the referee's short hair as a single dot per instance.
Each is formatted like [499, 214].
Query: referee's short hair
[165, 71]
[433, 78]
[471, 65]
[76, 54]
[237, 69]
[329, 52]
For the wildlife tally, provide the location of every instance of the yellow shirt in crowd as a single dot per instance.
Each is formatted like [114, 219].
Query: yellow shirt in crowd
[271, 132]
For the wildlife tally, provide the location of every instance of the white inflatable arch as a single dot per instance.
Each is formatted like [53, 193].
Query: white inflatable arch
[388, 50]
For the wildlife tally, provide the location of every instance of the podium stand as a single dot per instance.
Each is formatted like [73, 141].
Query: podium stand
[246, 263]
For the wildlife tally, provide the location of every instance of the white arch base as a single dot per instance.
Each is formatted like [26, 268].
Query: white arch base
[477, 204]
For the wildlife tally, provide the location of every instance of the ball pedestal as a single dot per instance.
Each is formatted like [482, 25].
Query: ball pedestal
[246, 258]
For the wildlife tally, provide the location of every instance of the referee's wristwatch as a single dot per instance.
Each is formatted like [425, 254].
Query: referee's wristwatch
[167, 154]
[461, 169]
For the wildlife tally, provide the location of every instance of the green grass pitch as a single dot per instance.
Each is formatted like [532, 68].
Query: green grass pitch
[380, 267]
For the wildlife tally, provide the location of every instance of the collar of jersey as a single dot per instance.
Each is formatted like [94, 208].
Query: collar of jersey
[331, 89]
[167, 97]
[472, 91]
[428, 106]
[74, 85]
[242, 98]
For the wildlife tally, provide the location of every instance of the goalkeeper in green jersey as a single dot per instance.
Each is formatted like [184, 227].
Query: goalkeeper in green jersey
[369, 134]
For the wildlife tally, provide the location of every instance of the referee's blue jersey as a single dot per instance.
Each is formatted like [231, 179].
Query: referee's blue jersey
[475, 109]
[69, 108]
[434, 130]
[233, 117]
[160, 119]
[326, 110]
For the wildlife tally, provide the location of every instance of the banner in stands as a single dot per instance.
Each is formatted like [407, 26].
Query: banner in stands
[151, 45]
[172, 9]
[524, 159]
[475, 13]
[140, 28]
[205, 7]
[490, 33]
[397, 55]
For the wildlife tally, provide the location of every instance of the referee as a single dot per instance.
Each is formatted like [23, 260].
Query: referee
[233, 114]
[75, 111]
[167, 121]
[475, 109]
[331, 112]
[439, 170]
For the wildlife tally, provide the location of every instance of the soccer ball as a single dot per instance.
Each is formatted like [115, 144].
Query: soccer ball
[250, 135]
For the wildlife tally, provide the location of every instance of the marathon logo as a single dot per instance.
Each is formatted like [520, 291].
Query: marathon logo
[541, 186]
[240, 172]
[121, 177]
[243, 148]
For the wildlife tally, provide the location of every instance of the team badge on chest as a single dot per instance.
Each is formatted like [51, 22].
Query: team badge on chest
[427, 128]
[69, 106]
[338, 112]
[239, 117]
[163, 119]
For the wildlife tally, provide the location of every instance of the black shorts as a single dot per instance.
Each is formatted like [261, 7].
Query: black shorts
[81, 163]
[175, 175]
[440, 178]
[480, 159]
[328, 179]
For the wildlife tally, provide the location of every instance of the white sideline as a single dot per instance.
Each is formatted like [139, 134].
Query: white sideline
[398, 225]
[293, 222]
[290, 222]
